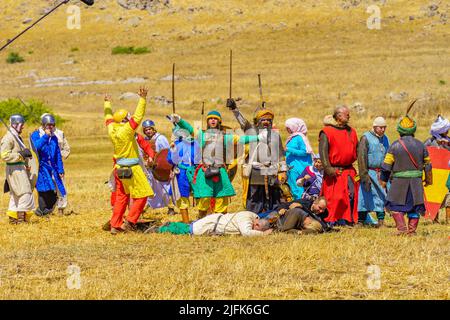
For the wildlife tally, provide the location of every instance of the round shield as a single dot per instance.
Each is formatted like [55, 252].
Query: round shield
[161, 167]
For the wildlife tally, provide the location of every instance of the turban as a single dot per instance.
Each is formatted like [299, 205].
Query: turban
[406, 126]
[439, 126]
[264, 113]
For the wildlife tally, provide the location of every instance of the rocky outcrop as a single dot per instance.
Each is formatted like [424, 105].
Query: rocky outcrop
[152, 6]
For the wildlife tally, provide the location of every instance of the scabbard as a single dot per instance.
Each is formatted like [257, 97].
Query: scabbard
[266, 186]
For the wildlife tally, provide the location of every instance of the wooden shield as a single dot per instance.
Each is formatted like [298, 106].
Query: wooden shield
[161, 167]
[435, 194]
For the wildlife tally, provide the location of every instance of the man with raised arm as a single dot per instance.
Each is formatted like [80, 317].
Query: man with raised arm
[130, 179]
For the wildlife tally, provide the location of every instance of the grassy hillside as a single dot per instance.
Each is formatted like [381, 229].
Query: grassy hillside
[313, 55]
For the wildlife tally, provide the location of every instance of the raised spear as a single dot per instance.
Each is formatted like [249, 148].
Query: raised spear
[173, 88]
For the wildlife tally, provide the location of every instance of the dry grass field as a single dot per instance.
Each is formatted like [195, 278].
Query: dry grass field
[313, 55]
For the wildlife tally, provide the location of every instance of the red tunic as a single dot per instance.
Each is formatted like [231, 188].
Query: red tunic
[342, 152]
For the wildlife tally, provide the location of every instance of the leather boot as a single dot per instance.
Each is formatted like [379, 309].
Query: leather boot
[202, 214]
[12, 220]
[184, 215]
[400, 223]
[107, 226]
[380, 223]
[20, 217]
[412, 226]
[362, 217]
[115, 231]
[127, 226]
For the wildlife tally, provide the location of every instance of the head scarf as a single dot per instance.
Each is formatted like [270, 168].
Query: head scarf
[298, 128]
[439, 126]
[406, 126]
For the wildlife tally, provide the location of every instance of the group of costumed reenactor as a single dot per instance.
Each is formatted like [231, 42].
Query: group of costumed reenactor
[285, 184]
[151, 170]
[286, 187]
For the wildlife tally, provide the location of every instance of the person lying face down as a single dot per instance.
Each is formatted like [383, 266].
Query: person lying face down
[245, 223]
[300, 217]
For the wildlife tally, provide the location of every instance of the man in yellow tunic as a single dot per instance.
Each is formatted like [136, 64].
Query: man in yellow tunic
[130, 179]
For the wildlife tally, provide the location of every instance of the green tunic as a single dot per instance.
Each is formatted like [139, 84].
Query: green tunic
[210, 188]
[207, 188]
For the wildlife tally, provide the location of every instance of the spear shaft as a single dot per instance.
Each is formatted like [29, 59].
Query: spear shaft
[203, 112]
[260, 89]
[231, 71]
[173, 88]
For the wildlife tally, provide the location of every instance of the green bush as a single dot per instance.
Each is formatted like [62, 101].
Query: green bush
[122, 50]
[142, 50]
[31, 112]
[130, 50]
[14, 57]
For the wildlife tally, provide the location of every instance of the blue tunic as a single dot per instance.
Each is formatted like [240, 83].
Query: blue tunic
[375, 199]
[297, 160]
[184, 157]
[50, 163]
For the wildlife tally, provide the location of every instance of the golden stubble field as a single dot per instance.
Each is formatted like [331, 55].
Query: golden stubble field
[312, 56]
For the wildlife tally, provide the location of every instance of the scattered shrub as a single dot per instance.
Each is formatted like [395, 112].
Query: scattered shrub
[142, 50]
[130, 50]
[122, 50]
[14, 57]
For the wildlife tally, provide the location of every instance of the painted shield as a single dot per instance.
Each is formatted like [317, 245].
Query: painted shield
[435, 194]
[161, 167]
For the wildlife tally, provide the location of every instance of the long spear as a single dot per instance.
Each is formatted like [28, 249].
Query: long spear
[260, 90]
[173, 88]
[261, 99]
[24, 104]
[203, 112]
[231, 71]
[266, 178]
